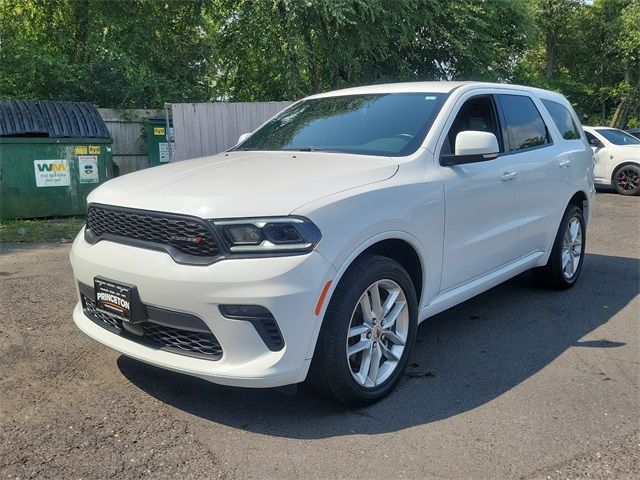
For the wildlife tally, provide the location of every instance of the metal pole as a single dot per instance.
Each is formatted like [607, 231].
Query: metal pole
[168, 132]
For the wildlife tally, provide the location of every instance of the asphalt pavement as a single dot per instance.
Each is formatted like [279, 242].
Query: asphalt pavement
[518, 382]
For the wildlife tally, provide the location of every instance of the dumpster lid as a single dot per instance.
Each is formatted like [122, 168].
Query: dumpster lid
[42, 118]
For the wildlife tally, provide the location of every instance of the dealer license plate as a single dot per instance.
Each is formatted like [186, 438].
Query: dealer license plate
[113, 298]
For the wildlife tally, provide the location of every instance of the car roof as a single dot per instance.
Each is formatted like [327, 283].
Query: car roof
[601, 128]
[437, 87]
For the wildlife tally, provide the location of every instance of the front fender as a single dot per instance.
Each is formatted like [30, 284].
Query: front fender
[628, 161]
[353, 221]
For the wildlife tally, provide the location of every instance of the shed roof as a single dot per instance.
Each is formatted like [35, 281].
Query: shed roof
[42, 118]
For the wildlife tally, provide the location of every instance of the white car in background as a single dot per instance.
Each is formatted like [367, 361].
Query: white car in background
[313, 248]
[617, 155]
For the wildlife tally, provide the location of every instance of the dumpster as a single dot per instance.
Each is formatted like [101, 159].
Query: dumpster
[52, 154]
[158, 145]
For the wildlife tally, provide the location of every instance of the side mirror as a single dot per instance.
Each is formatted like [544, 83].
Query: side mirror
[594, 142]
[243, 137]
[472, 146]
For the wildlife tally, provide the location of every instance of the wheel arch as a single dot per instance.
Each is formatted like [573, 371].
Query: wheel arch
[402, 252]
[398, 245]
[581, 199]
[624, 163]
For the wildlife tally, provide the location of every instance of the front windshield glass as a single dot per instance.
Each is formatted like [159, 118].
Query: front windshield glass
[392, 124]
[618, 137]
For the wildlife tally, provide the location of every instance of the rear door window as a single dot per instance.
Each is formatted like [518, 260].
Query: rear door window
[563, 120]
[525, 127]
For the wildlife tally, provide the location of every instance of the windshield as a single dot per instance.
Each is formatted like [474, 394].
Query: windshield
[618, 137]
[387, 124]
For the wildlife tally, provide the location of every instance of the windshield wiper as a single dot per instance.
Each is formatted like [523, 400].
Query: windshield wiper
[310, 149]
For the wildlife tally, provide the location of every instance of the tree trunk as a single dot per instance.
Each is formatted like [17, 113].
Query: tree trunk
[292, 68]
[550, 45]
[311, 62]
[81, 27]
[550, 34]
[621, 115]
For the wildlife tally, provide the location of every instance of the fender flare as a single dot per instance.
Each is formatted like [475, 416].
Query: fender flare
[630, 161]
[342, 268]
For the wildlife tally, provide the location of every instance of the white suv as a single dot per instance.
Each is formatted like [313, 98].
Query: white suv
[315, 247]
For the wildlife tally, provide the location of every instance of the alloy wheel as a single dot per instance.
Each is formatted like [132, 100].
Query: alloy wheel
[572, 248]
[377, 333]
[628, 179]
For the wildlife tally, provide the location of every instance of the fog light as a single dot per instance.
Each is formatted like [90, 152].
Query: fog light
[244, 312]
[261, 319]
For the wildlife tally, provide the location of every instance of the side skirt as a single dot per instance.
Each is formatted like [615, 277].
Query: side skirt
[470, 289]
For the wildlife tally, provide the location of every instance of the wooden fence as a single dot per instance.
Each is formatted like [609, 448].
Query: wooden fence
[128, 132]
[202, 129]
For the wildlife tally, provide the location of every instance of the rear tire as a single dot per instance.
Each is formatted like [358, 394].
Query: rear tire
[368, 333]
[626, 179]
[567, 255]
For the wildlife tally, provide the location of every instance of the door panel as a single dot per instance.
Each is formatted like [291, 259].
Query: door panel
[543, 170]
[600, 167]
[481, 223]
[546, 174]
[481, 201]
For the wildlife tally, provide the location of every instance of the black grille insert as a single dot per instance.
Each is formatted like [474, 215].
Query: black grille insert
[194, 342]
[185, 342]
[187, 235]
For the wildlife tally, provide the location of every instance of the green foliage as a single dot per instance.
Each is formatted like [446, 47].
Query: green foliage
[284, 49]
[117, 53]
[142, 53]
[596, 57]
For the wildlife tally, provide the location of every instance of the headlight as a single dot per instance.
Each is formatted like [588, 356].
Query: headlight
[268, 234]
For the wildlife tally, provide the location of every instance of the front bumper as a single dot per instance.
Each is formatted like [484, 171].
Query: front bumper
[289, 287]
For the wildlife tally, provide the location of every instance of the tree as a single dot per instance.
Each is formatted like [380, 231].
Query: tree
[119, 53]
[628, 44]
[142, 53]
[594, 59]
[283, 49]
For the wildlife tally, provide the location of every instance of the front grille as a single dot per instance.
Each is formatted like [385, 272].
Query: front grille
[98, 316]
[187, 235]
[176, 340]
[194, 342]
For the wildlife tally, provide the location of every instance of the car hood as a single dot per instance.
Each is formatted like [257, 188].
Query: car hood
[243, 184]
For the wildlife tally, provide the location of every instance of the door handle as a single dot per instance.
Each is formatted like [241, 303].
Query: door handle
[564, 163]
[508, 176]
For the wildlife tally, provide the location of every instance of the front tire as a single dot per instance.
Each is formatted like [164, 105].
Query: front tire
[567, 255]
[368, 333]
[626, 179]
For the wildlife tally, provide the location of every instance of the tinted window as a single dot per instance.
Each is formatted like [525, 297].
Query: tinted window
[385, 124]
[618, 137]
[563, 120]
[525, 126]
[590, 136]
[476, 114]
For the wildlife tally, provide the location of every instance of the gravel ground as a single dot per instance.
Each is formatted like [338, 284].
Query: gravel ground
[515, 383]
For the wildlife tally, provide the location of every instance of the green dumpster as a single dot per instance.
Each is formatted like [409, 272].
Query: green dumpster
[46, 168]
[158, 145]
[47, 177]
